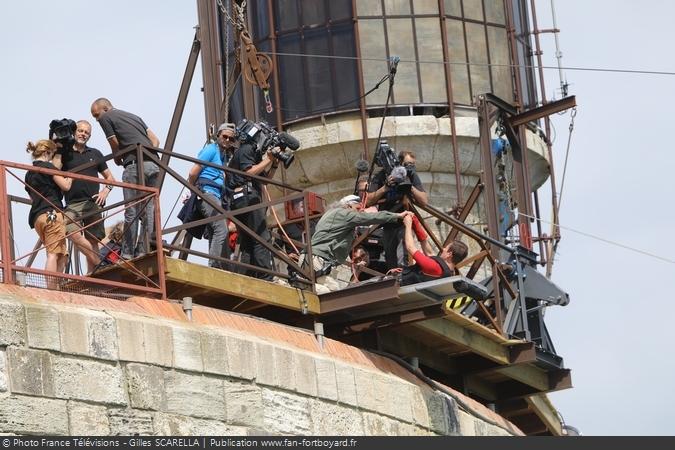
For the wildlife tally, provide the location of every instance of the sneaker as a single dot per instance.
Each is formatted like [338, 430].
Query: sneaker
[280, 281]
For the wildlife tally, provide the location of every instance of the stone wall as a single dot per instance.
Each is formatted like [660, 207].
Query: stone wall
[74, 370]
[331, 146]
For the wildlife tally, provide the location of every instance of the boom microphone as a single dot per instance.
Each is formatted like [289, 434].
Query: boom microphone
[362, 166]
[289, 141]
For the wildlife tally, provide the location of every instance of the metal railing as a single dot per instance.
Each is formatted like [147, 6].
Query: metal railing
[17, 269]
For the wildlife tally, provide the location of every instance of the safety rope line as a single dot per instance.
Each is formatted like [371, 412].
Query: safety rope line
[567, 154]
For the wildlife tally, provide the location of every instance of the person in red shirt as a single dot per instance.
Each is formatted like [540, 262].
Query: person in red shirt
[428, 267]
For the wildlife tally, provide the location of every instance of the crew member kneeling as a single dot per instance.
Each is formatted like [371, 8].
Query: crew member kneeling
[427, 267]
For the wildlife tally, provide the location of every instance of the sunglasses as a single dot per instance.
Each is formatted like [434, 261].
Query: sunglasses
[229, 138]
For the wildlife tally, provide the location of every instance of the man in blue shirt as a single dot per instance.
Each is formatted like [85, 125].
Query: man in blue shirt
[211, 182]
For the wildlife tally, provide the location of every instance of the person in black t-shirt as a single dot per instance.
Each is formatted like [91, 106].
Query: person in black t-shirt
[84, 200]
[384, 192]
[45, 214]
[123, 129]
[246, 192]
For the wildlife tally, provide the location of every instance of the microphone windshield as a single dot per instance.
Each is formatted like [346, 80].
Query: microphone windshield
[398, 174]
[362, 165]
[289, 141]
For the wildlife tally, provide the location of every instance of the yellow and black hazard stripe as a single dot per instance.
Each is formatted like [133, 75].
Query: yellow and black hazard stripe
[458, 303]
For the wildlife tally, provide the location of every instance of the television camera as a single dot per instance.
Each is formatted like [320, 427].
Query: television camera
[63, 132]
[387, 158]
[265, 138]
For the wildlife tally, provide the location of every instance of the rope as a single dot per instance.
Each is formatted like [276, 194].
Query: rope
[379, 83]
[567, 153]
[276, 219]
[227, 74]
[607, 241]
[465, 63]
[391, 76]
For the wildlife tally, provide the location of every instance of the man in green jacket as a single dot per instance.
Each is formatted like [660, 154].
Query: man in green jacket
[334, 235]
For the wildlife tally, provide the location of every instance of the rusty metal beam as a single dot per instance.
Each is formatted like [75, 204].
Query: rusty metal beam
[362, 90]
[553, 381]
[466, 209]
[543, 111]
[5, 248]
[473, 364]
[451, 101]
[488, 178]
[180, 106]
[210, 45]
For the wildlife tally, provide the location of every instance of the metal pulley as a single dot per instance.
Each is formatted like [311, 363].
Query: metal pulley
[258, 67]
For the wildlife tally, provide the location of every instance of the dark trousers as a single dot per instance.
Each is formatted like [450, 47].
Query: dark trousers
[251, 251]
[395, 254]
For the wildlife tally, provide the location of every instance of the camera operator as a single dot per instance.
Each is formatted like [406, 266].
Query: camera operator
[45, 214]
[246, 192]
[211, 182]
[84, 200]
[393, 192]
[123, 129]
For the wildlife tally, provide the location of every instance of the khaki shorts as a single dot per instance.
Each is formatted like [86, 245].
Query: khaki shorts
[79, 209]
[52, 234]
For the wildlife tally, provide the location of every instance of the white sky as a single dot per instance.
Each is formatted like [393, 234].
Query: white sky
[615, 334]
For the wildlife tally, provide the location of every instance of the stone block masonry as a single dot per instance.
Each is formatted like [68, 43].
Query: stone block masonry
[76, 370]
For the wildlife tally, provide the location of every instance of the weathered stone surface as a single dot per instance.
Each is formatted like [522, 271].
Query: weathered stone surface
[12, 323]
[283, 369]
[304, 372]
[376, 425]
[129, 337]
[3, 371]
[187, 349]
[408, 429]
[346, 384]
[443, 414]
[30, 372]
[33, 415]
[265, 364]
[326, 379]
[214, 353]
[102, 337]
[473, 426]
[87, 420]
[74, 333]
[158, 344]
[494, 430]
[129, 422]
[88, 380]
[42, 327]
[174, 425]
[397, 400]
[146, 386]
[466, 423]
[194, 395]
[368, 390]
[419, 408]
[286, 413]
[480, 428]
[243, 403]
[330, 419]
[241, 359]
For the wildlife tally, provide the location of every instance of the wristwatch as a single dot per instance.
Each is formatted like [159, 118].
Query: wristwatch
[109, 186]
